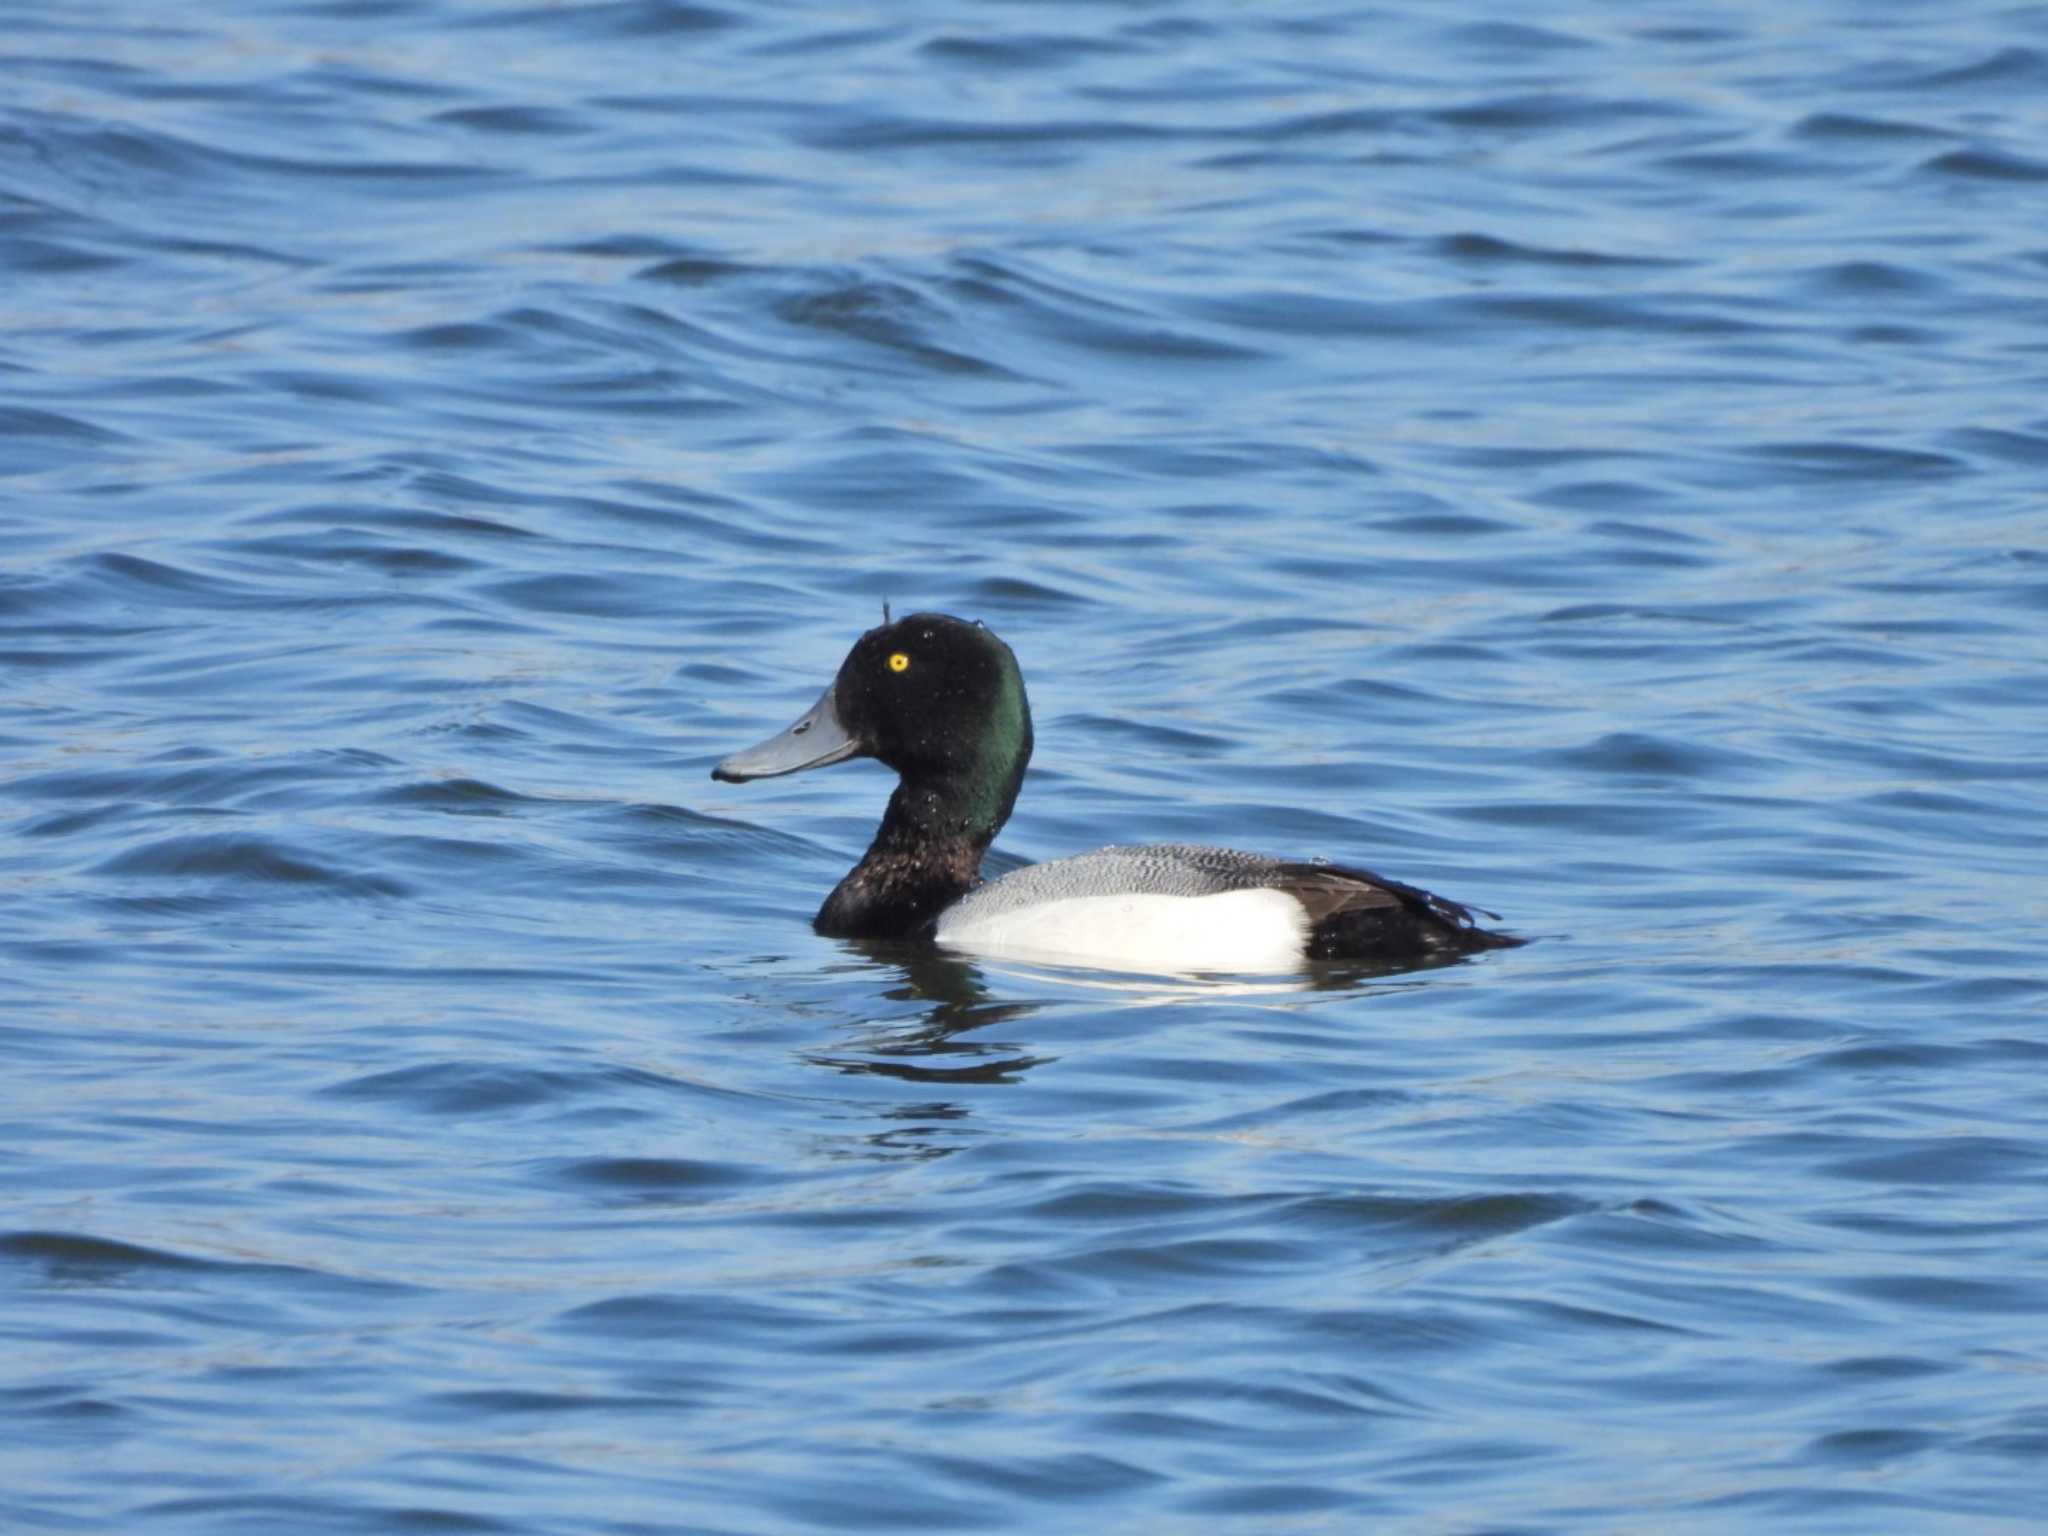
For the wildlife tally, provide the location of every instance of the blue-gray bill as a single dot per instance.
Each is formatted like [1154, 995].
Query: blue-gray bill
[816, 739]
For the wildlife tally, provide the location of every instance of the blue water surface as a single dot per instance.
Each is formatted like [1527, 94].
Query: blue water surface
[1590, 461]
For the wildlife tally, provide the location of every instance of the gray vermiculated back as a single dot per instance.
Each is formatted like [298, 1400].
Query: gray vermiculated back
[1162, 869]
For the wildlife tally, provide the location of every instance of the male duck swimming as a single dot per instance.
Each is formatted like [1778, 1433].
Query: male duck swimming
[942, 702]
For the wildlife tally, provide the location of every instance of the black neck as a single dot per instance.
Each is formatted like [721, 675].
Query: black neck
[925, 856]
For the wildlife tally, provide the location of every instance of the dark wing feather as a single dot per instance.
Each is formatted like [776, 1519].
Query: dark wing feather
[1355, 914]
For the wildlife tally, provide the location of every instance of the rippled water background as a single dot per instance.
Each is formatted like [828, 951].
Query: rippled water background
[1592, 465]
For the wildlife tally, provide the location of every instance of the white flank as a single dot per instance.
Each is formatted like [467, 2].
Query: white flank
[1254, 930]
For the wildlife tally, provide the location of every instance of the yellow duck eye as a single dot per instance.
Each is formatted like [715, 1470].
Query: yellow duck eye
[898, 662]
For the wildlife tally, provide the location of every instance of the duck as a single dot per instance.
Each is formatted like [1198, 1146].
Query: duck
[941, 701]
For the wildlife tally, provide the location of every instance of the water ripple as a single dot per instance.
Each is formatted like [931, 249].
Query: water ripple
[1585, 463]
